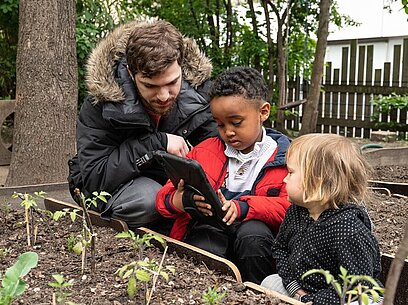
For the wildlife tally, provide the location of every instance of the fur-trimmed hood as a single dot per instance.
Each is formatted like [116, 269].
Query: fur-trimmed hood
[102, 63]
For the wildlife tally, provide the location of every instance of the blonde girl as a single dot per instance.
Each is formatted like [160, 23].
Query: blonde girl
[326, 225]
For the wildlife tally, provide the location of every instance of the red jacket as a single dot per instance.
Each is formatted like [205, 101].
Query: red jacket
[267, 200]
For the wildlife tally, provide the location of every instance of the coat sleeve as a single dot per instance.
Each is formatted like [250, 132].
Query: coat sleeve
[269, 203]
[106, 162]
[280, 248]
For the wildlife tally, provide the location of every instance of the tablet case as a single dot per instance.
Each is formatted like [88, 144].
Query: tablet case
[195, 180]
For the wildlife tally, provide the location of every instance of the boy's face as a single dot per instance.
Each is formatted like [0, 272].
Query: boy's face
[159, 93]
[239, 121]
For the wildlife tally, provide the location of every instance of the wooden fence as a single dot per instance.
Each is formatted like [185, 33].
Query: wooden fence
[345, 105]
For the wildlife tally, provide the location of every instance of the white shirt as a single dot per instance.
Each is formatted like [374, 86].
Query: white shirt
[244, 168]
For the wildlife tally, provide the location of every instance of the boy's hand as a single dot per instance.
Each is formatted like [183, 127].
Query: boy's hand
[229, 206]
[202, 206]
[178, 196]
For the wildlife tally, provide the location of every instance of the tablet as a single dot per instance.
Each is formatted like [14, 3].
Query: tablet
[195, 179]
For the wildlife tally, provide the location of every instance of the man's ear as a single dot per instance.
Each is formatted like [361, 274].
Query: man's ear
[264, 111]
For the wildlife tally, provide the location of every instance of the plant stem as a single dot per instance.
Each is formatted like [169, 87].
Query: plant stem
[156, 276]
[54, 299]
[27, 228]
[88, 226]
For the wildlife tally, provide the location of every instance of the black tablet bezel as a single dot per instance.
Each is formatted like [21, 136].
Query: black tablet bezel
[194, 177]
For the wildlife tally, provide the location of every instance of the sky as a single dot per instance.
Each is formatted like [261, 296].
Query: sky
[375, 22]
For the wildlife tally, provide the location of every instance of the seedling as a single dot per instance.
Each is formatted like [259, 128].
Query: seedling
[88, 235]
[60, 297]
[12, 283]
[353, 288]
[29, 203]
[71, 243]
[212, 296]
[4, 252]
[142, 269]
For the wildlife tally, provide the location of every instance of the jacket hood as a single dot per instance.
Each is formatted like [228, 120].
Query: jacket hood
[102, 64]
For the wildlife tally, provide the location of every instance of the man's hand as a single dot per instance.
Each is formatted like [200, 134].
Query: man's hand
[176, 145]
[229, 206]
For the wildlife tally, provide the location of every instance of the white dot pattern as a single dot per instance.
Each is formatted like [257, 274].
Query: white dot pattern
[340, 237]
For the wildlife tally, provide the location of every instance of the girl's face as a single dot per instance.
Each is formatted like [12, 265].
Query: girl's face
[293, 182]
[239, 121]
[295, 191]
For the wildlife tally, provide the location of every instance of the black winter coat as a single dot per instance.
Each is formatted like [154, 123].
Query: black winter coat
[113, 128]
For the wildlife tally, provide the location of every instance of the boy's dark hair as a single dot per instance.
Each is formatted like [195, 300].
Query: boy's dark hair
[243, 81]
[153, 46]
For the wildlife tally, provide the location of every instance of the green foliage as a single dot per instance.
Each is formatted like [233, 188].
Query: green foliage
[29, 202]
[8, 47]
[142, 270]
[87, 238]
[351, 288]
[140, 243]
[384, 106]
[4, 252]
[12, 283]
[212, 296]
[61, 285]
[72, 242]
[205, 21]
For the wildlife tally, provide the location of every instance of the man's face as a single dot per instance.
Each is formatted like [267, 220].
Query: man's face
[159, 93]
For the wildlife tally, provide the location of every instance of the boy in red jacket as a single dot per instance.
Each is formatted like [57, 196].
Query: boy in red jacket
[246, 166]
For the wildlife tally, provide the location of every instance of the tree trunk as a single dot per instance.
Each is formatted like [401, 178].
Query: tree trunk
[310, 113]
[395, 269]
[281, 73]
[271, 54]
[257, 57]
[46, 93]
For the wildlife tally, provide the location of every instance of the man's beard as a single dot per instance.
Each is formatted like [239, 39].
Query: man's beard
[148, 106]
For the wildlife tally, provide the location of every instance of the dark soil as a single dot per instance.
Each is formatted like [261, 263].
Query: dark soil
[186, 286]
[391, 173]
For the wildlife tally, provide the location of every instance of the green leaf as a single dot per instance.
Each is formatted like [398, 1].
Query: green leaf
[78, 248]
[365, 298]
[164, 275]
[131, 288]
[58, 278]
[57, 215]
[375, 295]
[127, 274]
[142, 275]
[24, 264]
[124, 234]
[73, 215]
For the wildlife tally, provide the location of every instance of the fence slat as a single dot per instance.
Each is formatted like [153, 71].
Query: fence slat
[345, 105]
[405, 64]
[396, 65]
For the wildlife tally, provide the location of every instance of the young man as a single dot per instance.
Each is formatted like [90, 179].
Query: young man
[147, 91]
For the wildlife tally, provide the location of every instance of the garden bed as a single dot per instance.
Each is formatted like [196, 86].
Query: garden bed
[187, 286]
[191, 280]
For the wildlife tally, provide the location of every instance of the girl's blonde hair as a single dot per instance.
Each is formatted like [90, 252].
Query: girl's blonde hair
[332, 169]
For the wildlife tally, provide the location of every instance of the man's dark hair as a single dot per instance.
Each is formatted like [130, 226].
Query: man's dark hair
[153, 47]
[240, 81]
